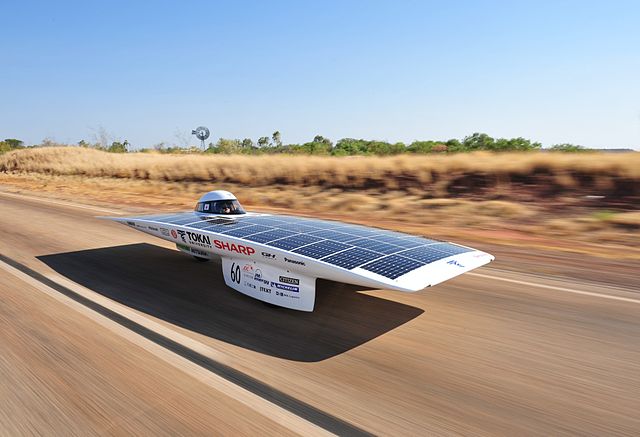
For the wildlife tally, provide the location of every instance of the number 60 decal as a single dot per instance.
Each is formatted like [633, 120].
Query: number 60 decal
[235, 273]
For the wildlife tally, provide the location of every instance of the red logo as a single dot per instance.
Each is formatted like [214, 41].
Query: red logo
[232, 247]
[174, 234]
[247, 268]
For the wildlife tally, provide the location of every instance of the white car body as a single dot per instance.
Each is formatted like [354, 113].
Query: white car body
[286, 278]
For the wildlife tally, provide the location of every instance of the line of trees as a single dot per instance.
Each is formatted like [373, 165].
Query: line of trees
[320, 145]
[351, 146]
[10, 144]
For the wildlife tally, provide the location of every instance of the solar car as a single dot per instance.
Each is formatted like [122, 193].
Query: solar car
[277, 258]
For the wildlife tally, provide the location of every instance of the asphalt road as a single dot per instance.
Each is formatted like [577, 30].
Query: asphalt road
[105, 330]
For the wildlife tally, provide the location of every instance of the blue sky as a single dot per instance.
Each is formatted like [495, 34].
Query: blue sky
[557, 71]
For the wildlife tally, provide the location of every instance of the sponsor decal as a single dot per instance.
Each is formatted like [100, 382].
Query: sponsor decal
[265, 289]
[131, 223]
[232, 247]
[247, 268]
[293, 261]
[257, 276]
[164, 231]
[199, 252]
[250, 285]
[153, 229]
[453, 262]
[287, 280]
[182, 234]
[268, 255]
[284, 286]
[192, 237]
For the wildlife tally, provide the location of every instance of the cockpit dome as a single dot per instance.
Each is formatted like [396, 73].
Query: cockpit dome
[217, 195]
[219, 202]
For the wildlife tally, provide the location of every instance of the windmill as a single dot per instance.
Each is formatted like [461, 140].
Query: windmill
[202, 133]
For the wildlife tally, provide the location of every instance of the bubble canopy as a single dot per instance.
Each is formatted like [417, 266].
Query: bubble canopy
[219, 202]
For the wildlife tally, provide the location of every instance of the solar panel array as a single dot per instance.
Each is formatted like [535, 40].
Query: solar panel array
[386, 253]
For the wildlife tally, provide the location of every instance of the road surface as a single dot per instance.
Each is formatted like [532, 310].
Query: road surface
[105, 330]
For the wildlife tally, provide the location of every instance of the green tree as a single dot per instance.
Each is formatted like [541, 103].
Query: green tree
[13, 143]
[247, 144]
[566, 147]
[263, 142]
[117, 147]
[350, 146]
[277, 139]
[478, 141]
[422, 146]
[228, 146]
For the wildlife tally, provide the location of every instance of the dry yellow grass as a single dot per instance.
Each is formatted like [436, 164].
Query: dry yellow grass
[513, 198]
[398, 172]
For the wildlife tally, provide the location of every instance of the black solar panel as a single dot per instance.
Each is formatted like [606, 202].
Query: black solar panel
[333, 235]
[321, 249]
[268, 221]
[265, 237]
[377, 246]
[246, 230]
[420, 240]
[219, 221]
[425, 254]
[451, 249]
[384, 252]
[358, 231]
[351, 258]
[200, 225]
[295, 227]
[291, 243]
[184, 219]
[392, 266]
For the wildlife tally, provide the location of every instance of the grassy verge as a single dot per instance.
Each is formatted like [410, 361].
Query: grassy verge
[597, 180]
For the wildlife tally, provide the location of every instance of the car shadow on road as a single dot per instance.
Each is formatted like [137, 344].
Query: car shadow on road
[171, 286]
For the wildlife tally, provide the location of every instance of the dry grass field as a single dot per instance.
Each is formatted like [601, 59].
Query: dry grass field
[576, 202]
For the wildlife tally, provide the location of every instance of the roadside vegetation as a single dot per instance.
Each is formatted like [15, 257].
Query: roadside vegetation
[319, 145]
[585, 202]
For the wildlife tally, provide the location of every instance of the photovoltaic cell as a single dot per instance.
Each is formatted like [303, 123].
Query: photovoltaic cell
[321, 249]
[358, 231]
[201, 225]
[265, 237]
[294, 242]
[420, 240]
[299, 228]
[451, 249]
[223, 227]
[377, 246]
[330, 234]
[268, 221]
[351, 258]
[387, 253]
[392, 266]
[424, 254]
[247, 230]
[184, 219]
[167, 219]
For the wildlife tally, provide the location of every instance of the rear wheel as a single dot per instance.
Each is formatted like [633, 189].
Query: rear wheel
[201, 259]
